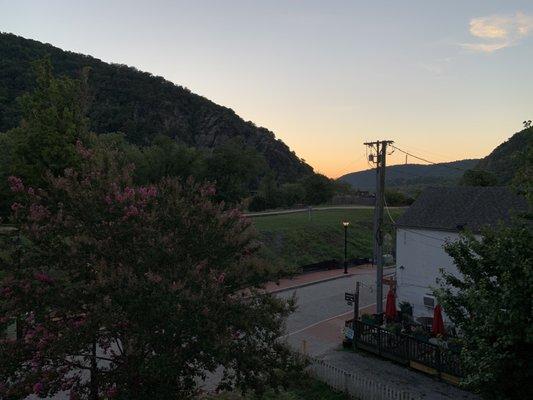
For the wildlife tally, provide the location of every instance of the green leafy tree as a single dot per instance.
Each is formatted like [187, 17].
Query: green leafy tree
[234, 168]
[132, 292]
[491, 303]
[523, 179]
[53, 119]
[292, 193]
[318, 189]
[478, 177]
[397, 198]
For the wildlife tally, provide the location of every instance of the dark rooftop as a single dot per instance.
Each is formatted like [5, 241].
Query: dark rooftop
[469, 207]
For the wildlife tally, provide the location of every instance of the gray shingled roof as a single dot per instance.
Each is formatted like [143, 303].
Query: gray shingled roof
[450, 208]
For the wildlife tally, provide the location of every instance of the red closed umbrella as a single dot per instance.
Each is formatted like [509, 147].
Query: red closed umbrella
[390, 309]
[438, 324]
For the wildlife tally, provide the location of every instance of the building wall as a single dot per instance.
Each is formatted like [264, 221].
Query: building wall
[419, 257]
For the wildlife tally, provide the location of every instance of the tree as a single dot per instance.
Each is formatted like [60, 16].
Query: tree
[53, 117]
[397, 198]
[478, 177]
[318, 188]
[235, 169]
[491, 303]
[131, 292]
[292, 193]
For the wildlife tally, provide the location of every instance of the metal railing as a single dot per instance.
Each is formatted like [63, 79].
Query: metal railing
[406, 349]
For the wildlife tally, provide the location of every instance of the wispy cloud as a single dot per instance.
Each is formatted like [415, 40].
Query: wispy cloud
[498, 31]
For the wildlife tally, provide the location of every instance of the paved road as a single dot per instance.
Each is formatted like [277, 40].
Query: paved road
[318, 322]
[322, 311]
[300, 210]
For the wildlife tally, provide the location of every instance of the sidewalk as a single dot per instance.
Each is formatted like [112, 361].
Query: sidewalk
[312, 278]
[395, 376]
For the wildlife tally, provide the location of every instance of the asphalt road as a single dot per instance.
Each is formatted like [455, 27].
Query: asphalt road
[322, 310]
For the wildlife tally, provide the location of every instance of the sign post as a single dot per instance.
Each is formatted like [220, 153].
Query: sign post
[356, 305]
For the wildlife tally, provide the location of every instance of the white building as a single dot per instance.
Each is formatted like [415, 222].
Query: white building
[437, 216]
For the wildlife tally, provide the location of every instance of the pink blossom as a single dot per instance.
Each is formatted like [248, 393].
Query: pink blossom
[130, 211]
[108, 199]
[126, 195]
[208, 190]
[38, 212]
[147, 192]
[111, 392]
[38, 388]
[16, 206]
[200, 266]
[79, 322]
[73, 395]
[31, 191]
[42, 277]
[82, 150]
[221, 278]
[15, 184]
[153, 277]
[6, 292]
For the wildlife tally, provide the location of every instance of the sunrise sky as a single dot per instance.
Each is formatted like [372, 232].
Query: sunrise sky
[445, 80]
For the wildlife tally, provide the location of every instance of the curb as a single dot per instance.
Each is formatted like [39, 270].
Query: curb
[312, 283]
[332, 278]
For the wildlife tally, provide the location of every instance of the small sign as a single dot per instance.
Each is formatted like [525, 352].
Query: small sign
[348, 333]
[350, 303]
[350, 297]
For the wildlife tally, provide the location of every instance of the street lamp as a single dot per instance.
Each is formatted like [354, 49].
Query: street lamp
[345, 224]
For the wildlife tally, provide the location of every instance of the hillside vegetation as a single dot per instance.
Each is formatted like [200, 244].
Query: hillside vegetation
[52, 99]
[138, 104]
[509, 157]
[411, 178]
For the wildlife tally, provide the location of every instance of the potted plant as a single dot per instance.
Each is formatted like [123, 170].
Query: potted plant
[454, 344]
[368, 319]
[420, 334]
[394, 328]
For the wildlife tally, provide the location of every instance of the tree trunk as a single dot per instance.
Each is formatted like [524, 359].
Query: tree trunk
[93, 395]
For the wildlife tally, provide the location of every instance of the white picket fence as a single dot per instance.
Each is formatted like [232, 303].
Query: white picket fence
[355, 385]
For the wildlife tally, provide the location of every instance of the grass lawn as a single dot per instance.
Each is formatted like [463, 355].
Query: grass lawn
[293, 240]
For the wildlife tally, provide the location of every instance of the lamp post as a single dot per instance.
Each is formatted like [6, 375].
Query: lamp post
[345, 224]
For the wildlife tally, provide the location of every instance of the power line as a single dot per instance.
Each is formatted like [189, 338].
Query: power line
[428, 161]
[351, 163]
[388, 211]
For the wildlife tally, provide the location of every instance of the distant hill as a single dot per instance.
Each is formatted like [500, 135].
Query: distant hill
[508, 157]
[138, 104]
[409, 178]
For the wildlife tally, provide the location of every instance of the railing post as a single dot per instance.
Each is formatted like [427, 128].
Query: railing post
[379, 340]
[438, 355]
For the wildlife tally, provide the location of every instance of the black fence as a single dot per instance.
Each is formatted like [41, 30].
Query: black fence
[407, 349]
[335, 264]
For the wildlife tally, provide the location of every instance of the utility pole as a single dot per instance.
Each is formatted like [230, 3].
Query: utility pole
[380, 159]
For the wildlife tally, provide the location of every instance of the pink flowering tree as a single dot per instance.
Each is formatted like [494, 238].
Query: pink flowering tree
[133, 292]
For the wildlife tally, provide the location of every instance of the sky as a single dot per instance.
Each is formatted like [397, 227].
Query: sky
[446, 80]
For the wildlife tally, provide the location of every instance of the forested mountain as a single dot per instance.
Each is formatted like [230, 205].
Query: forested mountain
[509, 157]
[410, 178]
[138, 104]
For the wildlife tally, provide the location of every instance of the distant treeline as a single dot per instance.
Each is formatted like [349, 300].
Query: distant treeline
[54, 120]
